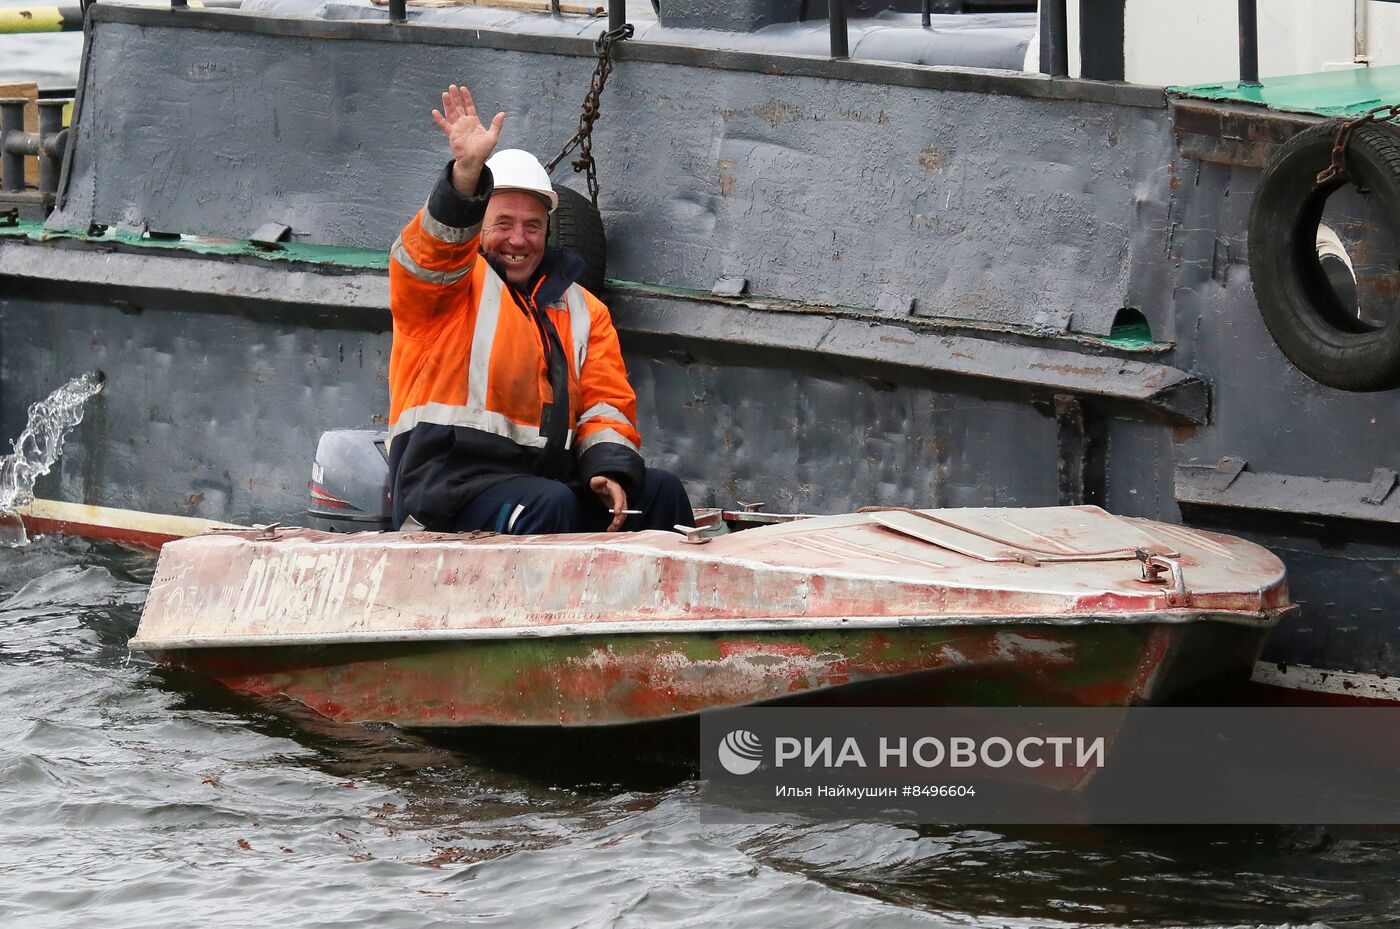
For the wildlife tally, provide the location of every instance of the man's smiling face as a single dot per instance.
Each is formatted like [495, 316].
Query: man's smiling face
[513, 233]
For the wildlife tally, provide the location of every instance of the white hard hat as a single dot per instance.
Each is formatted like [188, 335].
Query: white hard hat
[517, 169]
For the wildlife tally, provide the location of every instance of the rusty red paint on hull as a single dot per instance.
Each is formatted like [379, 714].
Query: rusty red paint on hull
[606, 681]
[152, 540]
[739, 648]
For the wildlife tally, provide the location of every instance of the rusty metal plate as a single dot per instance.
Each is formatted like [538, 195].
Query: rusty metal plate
[1082, 533]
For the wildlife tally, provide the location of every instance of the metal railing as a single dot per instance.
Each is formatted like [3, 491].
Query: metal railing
[16, 144]
[1249, 39]
[840, 35]
[1249, 42]
[1054, 38]
[617, 12]
[1054, 27]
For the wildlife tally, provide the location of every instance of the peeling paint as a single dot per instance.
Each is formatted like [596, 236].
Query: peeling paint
[933, 159]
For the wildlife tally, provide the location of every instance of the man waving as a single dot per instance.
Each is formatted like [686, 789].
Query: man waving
[509, 404]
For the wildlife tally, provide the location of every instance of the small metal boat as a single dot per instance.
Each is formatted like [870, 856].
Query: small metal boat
[1065, 606]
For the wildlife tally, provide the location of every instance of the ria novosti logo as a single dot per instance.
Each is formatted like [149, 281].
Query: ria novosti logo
[741, 752]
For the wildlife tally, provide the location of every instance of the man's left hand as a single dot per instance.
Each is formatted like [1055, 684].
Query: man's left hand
[612, 496]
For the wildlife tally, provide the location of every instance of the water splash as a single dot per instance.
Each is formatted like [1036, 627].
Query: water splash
[37, 449]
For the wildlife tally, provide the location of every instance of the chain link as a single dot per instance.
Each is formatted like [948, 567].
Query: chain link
[1338, 167]
[583, 138]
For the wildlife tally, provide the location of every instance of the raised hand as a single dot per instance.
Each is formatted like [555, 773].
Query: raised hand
[471, 140]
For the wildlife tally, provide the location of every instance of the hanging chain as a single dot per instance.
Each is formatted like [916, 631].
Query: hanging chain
[1338, 167]
[583, 139]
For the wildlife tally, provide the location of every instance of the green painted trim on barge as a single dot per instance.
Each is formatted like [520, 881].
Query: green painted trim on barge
[340, 256]
[1327, 93]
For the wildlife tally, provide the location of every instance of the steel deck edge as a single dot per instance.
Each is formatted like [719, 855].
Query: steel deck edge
[360, 300]
[1167, 391]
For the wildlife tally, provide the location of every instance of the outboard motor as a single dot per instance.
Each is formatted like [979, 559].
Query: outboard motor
[350, 481]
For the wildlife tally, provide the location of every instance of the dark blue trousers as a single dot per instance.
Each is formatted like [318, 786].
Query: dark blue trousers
[534, 505]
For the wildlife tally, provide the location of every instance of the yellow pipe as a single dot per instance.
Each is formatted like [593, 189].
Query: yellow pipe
[19, 20]
[69, 17]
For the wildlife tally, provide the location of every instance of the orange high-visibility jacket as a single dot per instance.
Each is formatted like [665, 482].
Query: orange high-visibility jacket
[487, 381]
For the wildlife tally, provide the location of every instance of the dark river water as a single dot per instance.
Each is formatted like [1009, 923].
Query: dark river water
[131, 798]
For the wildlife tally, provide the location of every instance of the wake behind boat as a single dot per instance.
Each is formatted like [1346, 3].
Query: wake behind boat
[1056, 606]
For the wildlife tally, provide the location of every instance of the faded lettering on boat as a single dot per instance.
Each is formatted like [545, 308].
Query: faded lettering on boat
[312, 587]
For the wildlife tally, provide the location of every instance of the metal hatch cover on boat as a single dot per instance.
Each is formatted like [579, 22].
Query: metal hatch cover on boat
[1084, 533]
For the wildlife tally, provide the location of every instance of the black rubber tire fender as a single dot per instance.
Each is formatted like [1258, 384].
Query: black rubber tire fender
[1322, 338]
[577, 225]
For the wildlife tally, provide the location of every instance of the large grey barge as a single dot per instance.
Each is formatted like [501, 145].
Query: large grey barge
[916, 276]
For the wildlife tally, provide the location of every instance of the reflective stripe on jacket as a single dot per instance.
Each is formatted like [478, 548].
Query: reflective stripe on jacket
[487, 381]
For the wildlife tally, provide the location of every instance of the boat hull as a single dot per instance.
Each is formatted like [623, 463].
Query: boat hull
[981, 607]
[578, 681]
